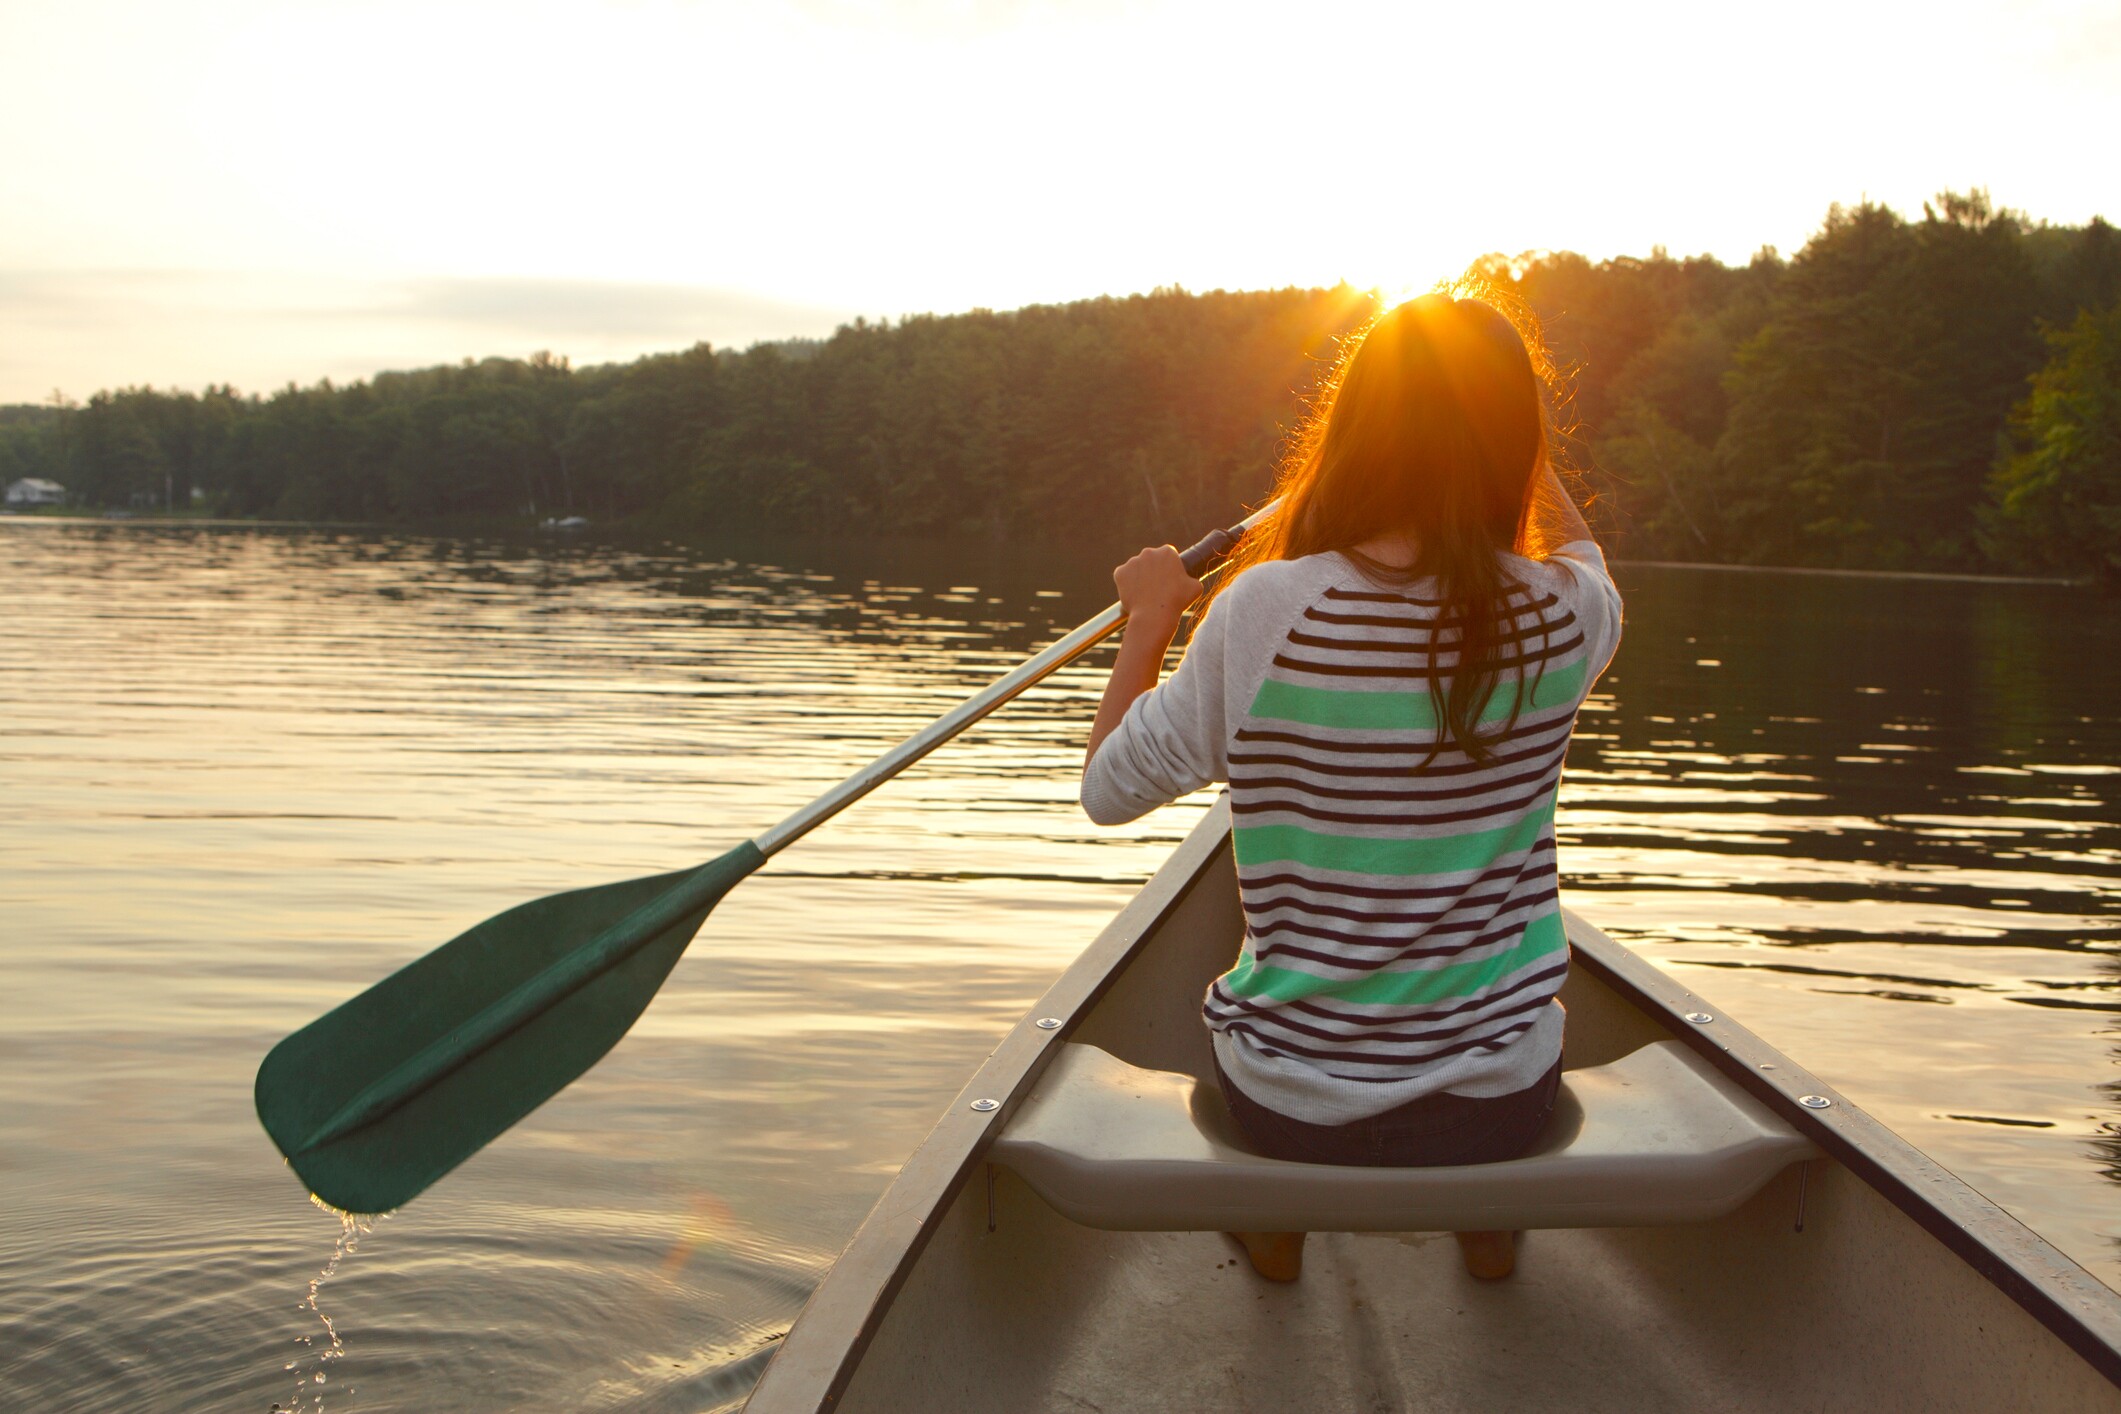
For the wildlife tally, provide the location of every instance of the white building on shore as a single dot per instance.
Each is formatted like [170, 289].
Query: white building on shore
[34, 491]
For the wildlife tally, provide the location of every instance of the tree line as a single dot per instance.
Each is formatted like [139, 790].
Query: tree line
[1932, 393]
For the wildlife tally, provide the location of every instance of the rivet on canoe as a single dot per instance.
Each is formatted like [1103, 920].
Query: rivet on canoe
[985, 1106]
[1047, 1023]
[1699, 1018]
[1815, 1102]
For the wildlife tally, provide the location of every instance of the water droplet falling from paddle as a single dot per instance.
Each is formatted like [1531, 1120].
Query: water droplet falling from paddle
[352, 1228]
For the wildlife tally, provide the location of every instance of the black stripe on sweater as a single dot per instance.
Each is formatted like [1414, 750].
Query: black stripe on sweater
[1544, 753]
[1506, 933]
[1425, 643]
[1259, 907]
[1543, 845]
[1278, 1012]
[1401, 745]
[1406, 923]
[1492, 1043]
[1423, 673]
[1399, 1016]
[1403, 1060]
[1537, 606]
[1399, 951]
[1498, 811]
[1487, 1016]
[1360, 596]
[1457, 792]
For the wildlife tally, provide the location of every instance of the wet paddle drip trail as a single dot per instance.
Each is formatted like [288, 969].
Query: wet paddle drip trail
[249, 771]
[314, 1370]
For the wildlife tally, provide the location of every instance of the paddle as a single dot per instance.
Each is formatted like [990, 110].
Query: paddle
[377, 1099]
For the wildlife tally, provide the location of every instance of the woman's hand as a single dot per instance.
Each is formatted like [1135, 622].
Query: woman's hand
[1155, 589]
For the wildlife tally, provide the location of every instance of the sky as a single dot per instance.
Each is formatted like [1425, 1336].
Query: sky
[258, 193]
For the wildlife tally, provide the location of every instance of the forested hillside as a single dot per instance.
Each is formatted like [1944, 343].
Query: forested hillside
[1940, 393]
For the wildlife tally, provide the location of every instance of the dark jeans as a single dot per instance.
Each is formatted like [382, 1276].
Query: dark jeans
[1433, 1130]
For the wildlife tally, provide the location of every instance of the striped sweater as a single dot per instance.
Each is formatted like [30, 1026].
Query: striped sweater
[1403, 929]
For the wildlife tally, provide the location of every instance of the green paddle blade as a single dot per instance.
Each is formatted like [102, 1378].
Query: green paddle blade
[377, 1099]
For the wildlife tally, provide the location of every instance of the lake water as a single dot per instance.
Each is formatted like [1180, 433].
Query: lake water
[245, 772]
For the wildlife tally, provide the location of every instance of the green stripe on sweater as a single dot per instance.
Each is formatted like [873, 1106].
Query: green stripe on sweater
[1542, 936]
[1399, 711]
[1399, 856]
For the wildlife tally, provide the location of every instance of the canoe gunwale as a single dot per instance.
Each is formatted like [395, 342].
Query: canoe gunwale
[2083, 1312]
[813, 1366]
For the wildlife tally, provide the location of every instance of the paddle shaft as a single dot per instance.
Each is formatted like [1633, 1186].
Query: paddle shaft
[1198, 558]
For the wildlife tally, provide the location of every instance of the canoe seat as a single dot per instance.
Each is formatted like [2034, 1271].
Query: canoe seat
[1657, 1136]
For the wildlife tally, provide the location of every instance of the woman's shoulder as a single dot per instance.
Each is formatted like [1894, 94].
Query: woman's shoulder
[1325, 568]
[1293, 582]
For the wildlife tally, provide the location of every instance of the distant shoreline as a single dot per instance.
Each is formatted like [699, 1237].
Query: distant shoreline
[227, 523]
[212, 522]
[1941, 576]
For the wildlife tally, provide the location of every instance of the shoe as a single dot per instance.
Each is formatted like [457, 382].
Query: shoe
[1277, 1256]
[1490, 1256]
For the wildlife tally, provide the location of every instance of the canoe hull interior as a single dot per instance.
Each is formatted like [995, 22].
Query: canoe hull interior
[966, 1291]
[1742, 1313]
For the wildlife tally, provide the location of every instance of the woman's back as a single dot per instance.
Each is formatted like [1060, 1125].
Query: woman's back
[1403, 929]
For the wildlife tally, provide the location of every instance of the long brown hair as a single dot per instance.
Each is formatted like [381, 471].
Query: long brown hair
[1434, 425]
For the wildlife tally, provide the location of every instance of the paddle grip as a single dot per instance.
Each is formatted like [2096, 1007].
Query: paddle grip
[1205, 553]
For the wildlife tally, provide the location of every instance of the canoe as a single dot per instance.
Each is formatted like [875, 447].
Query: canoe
[1706, 1225]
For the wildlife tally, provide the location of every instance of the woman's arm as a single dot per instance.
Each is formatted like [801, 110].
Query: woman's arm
[1553, 521]
[1155, 590]
[1551, 517]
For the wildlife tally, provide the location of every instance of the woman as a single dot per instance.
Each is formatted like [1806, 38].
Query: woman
[1387, 679]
